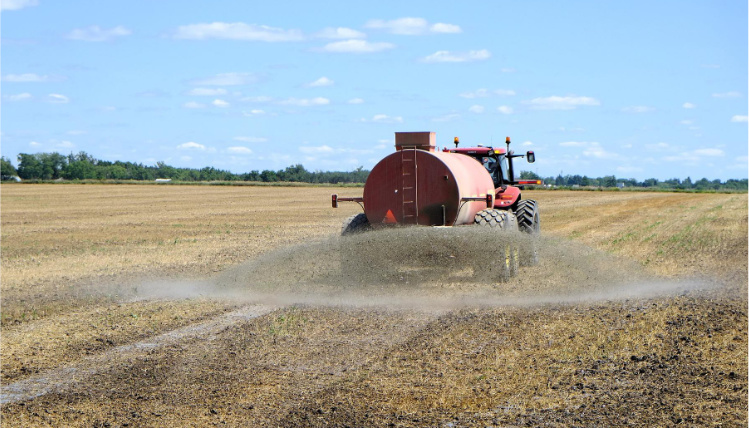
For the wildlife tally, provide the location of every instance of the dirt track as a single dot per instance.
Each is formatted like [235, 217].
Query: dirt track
[670, 349]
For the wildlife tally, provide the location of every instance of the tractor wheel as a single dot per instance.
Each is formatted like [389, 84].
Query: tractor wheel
[355, 224]
[509, 254]
[530, 223]
[501, 219]
[527, 215]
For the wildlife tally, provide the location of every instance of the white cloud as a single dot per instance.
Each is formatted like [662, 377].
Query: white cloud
[478, 93]
[573, 144]
[237, 31]
[220, 103]
[591, 149]
[561, 103]
[253, 112]
[731, 94]
[212, 92]
[476, 109]
[251, 139]
[688, 105]
[57, 99]
[660, 147]
[17, 4]
[445, 28]
[404, 26]
[226, 79]
[595, 150]
[483, 93]
[447, 56]
[446, 118]
[694, 157]
[739, 118]
[356, 46]
[193, 104]
[240, 150]
[709, 152]
[95, 33]
[340, 33]
[507, 70]
[191, 146]
[564, 129]
[258, 99]
[638, 109]
[526, 143]
[25, 78]
[34, 144]
[65, 144]
[19, 97]
[686, 122]
[411, 26]
[383, 118]
[505, 109]
[356, 101]
[317, 149]
[305, 102]
[323, 81]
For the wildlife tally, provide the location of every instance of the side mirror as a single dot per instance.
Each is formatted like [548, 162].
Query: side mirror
[530, 156]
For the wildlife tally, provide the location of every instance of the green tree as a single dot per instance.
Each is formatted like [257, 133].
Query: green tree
[529, 175]
[268, 176]
[608, 181]
[29, 167]
[6, 168]
[79, 170]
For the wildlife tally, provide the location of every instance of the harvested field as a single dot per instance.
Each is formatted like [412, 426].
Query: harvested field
[132, 305]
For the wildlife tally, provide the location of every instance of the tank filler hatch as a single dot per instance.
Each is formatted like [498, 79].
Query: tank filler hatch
[426, 141]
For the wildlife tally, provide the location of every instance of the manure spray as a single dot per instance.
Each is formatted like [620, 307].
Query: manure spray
[423, 267]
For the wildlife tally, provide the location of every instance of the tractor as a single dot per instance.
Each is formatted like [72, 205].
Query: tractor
[419, 185]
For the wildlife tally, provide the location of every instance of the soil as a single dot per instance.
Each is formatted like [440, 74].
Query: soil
[636, 315]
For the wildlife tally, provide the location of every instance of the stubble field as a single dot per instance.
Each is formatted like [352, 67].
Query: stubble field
[135, 305]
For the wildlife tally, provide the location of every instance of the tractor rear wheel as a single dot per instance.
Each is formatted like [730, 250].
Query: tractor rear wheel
[527, 215]
[355, 224]
[530, 223]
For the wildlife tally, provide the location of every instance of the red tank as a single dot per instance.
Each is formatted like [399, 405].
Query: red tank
[416, 185]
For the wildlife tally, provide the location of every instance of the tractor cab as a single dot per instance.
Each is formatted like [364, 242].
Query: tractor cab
[497, 161]
[494, 160]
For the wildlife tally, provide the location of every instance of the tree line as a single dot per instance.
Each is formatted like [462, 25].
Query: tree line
[613, 181]
[82, 166]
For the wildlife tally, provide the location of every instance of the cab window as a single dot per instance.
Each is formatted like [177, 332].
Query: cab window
[503, 168]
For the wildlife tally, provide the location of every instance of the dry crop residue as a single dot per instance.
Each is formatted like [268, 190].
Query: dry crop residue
[636, 313]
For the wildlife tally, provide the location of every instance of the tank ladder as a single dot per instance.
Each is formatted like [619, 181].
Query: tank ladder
[409, 186]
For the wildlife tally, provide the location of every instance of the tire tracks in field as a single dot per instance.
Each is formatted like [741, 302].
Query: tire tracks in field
[264, 382]
[65, 377]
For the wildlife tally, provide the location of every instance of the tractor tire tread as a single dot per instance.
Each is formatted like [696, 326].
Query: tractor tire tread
[355, 224]
[527, 215]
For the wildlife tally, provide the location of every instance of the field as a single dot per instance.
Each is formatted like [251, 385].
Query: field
[126, 305]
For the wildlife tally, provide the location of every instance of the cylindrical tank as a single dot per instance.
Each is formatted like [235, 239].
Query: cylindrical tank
[427, 188]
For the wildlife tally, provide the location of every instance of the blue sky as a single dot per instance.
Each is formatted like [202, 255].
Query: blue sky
[635, 89]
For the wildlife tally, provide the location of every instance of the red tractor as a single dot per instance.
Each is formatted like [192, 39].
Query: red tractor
[418, 185]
